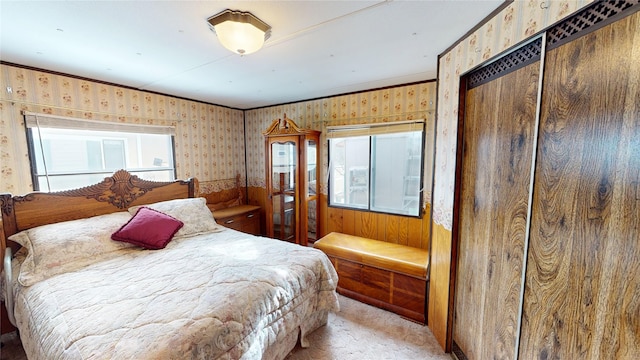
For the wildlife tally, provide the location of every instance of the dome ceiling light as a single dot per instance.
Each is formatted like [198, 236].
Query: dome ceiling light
[239, 31]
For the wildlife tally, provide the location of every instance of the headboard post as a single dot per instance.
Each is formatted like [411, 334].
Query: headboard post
[194, 187]
[8, 216]
[9, 226]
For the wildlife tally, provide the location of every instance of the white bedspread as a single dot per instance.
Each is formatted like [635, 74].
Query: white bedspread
[222, 295]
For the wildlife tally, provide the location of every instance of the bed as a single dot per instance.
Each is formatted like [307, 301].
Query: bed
[207, 293]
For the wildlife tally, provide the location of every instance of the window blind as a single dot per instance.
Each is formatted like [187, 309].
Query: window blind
[374, 129]
[34, 120]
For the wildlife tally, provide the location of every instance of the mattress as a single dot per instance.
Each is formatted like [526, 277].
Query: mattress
[220, 295]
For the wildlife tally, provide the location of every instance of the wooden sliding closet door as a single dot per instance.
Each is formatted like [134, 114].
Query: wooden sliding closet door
[493, 187]
[582, 296]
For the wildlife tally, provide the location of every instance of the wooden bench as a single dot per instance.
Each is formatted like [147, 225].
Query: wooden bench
[390, 276]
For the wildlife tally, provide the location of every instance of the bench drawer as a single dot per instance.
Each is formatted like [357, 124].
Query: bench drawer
[392, 291]
[409, 293]
[363, 279]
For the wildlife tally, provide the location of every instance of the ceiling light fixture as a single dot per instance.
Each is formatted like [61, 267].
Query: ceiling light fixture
[239, 31]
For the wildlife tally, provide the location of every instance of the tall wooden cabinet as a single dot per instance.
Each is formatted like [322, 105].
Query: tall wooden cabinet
[548, 213]
[292, 155]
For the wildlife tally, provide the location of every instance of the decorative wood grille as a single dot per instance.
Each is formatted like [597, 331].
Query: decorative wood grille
[599, 14]
[457, 352]
[513, 61]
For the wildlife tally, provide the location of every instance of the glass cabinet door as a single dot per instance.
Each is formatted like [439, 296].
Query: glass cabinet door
[311, 193]
[292, 174]
[283, 189]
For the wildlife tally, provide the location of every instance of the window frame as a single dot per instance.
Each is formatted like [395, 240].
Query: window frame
[359, 130]
[32, 147]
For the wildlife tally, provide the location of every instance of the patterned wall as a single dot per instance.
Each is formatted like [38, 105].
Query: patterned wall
[415, 101]
[517, 22]
[209, 139]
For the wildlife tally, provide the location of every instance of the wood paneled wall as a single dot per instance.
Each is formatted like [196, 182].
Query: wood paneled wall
[499, 123]
[581, 293]
[582, 296]
[390, 228]
[439, 274]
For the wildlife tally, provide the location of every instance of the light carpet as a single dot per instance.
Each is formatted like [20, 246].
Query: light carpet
[358, 331]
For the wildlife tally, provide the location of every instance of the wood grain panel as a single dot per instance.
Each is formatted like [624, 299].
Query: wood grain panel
[376, 283]
[496, 165]
[349, 221]
[393, 229]
[384, 227]
[582, 296]
[414, 232]
[408, 292]
[425, 238]
[439, 280]
[349, 270]
[334, 220]
[368, 225]
[403, 230]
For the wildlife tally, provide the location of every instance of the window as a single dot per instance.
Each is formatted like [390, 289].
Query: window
[377, 167]
[69, 153]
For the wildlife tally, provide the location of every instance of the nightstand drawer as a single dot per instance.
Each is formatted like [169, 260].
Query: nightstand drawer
[245, 218]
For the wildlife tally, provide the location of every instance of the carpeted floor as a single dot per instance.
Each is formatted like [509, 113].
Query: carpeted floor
[358, 331]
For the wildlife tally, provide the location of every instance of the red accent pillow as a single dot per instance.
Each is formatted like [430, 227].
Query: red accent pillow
[148, 228]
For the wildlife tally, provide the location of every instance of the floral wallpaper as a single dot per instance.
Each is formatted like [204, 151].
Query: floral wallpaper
[209, 139]
[407, 102]
[514, 24]
[209, 142]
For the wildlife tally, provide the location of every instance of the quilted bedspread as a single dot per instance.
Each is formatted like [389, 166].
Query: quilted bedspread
[223, 295]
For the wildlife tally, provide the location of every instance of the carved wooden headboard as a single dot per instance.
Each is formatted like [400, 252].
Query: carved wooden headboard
[114, 193]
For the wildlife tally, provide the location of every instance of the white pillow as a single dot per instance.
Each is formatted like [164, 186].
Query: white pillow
[193, 212]
[67, 246]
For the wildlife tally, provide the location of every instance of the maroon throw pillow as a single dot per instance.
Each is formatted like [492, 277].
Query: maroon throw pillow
[148, 228]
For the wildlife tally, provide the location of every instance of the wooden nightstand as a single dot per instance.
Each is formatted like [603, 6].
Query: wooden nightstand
[245, 218]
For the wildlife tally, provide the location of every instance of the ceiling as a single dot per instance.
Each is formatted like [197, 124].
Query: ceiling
[316, 48]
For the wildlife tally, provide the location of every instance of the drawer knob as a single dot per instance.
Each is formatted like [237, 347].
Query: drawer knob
[250, 215]
[230, 221]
